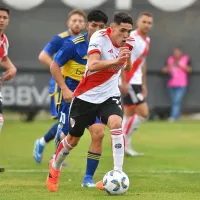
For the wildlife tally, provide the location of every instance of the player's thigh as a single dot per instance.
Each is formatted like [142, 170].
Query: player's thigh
[53, 105]
[63, 118]
[142, 110]
[81, 115]
[111, 110]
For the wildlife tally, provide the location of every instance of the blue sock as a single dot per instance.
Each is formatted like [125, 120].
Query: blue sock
[51, 133]
[92, 164]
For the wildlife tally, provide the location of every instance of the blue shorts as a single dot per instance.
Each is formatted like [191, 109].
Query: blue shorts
[53, 92]
[65, 106]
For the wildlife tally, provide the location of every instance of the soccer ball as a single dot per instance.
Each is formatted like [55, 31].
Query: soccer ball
[115, 182]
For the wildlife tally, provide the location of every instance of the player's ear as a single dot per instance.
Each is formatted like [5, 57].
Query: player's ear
[87, 26]
[112, 26]
[137, 22]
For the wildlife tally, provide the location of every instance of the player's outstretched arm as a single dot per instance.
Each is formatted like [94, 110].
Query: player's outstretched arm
[45, 59]
[56, 73]
[95, 64]
[128, 64]
[11, 70]
[123, 84]
[45, 56]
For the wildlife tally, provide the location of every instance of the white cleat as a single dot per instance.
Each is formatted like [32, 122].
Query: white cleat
[131, 152]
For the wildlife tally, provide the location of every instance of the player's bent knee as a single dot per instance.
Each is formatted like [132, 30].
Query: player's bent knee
[72, 140]
[114, 122]
[97, 131]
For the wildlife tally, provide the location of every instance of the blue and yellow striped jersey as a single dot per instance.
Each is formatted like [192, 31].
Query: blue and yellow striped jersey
[72, 57]
[56, 43]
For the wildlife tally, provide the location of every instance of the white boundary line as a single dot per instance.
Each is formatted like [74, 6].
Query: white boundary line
[101, 172]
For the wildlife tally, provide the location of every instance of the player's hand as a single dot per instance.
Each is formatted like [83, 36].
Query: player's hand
[124, 53]
[67, 95]
[144, 91]
[124, 88]
[9, 74]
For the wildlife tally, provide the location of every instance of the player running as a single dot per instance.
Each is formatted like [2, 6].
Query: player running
[73, 58]
[97, 94]
[4, 59]
[133, 85]
[76, 24]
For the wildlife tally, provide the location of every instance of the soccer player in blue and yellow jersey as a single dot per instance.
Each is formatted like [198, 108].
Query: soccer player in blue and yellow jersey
[73, 58]
[76, 24]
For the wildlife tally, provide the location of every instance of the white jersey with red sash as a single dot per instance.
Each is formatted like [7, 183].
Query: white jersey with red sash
[97, 87]
[3, 46]
[138, 57]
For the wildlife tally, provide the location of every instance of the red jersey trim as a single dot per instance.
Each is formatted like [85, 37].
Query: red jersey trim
[136, 64]
[94, 51]
[108, 32]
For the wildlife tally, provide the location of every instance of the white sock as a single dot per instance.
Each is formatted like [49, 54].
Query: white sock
[117, 148]
[132, 124]
[42, 141]
[1, 123]
[61, 153]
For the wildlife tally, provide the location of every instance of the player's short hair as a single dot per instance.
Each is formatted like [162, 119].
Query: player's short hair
[122, 17]
[145, 14]
[97, 16]
[5, 9]
[78, 12]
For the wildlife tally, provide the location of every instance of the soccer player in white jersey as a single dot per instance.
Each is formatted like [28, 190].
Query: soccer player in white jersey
[133, 87]
[98, 94]
[4, 59]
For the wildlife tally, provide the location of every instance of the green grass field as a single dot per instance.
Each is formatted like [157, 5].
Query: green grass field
[169, 170]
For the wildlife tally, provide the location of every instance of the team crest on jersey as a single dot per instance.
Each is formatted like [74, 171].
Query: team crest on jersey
[72, 122]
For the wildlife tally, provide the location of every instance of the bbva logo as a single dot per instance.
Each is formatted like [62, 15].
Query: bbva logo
[169, 5]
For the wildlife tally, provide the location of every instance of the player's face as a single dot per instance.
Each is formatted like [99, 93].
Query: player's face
[76, 24]
[93, 26]
[120, 33]
[144, 24]
[177, 53]
[4, 19]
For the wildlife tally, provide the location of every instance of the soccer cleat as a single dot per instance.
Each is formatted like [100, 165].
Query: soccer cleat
[88, 182]
[2, 169]
[99, 185]
[52, 178]
[131, 152]
[37, 151]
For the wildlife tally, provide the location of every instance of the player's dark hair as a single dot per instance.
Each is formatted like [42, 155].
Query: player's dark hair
[78, 12]
[5, 9]
[97, 16]
[122, 17]
[145, 14]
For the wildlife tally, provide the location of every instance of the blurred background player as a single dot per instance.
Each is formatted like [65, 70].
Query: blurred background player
[97, 94]
[133, 87]
[4, 59]
[73, 58]
[76, 24]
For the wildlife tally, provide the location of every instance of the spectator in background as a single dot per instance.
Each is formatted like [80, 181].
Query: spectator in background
[177, 66]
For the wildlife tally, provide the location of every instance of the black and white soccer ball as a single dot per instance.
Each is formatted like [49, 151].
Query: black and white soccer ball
[115, 182]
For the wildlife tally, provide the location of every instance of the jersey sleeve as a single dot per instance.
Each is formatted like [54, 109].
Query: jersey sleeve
[65, 54]
[54, 45]
[130, 43]
[96, 43]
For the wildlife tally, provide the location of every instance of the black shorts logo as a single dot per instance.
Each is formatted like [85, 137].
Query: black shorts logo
[72, 122]
[118, 146]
